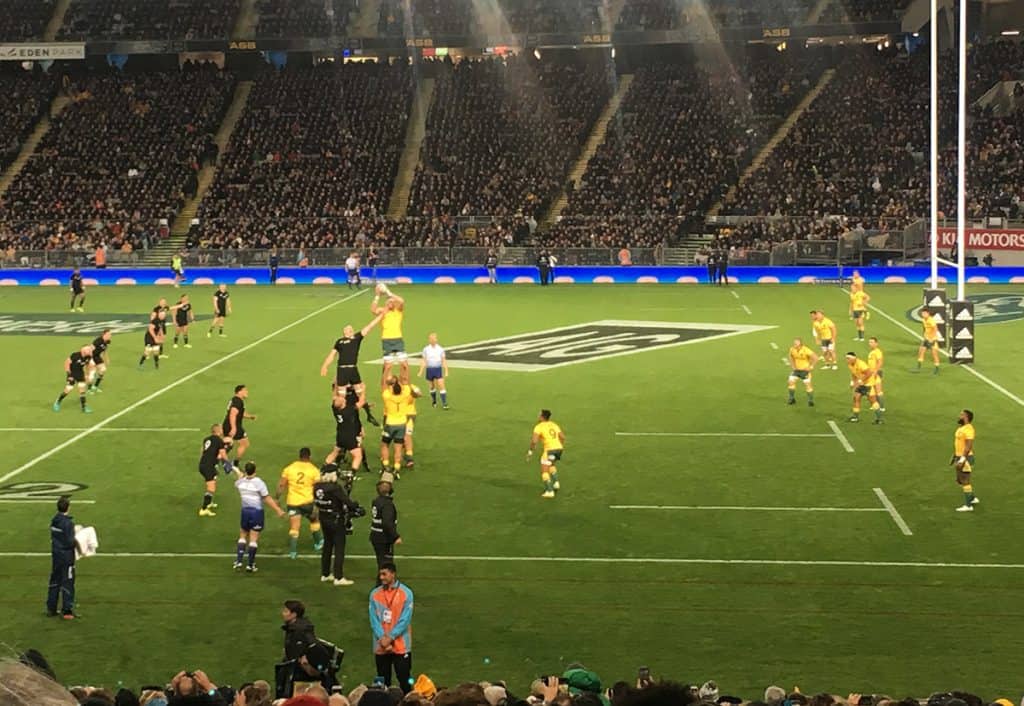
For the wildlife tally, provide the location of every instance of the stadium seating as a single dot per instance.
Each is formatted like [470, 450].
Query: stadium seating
[536, 16]
[502, 135]
[313, 159]
[862, 11]
[303, 18]
[853, 150]
[650, 15]
[24, 99]
[118, 159]
[24, 19]
[430, 18]
[149, 19]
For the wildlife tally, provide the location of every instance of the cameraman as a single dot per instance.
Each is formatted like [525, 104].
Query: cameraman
[336, 510]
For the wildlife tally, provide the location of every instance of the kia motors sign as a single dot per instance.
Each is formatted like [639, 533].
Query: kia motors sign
[984, 239]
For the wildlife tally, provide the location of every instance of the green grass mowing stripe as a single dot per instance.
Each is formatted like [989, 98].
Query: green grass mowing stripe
[561, 560]
[99, 425]
[984, 378]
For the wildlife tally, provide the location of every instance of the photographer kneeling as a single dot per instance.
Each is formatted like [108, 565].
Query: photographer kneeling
[336, 511]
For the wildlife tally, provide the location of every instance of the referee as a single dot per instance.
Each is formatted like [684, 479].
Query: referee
[384, 523]
[62, 552]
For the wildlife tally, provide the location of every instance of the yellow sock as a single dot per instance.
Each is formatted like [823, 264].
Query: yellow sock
[314, 526]
[293, 533]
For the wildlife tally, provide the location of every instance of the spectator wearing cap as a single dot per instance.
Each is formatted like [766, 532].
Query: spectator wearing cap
[391, 605]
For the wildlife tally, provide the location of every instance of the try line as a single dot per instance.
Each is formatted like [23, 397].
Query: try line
[561, 560]
[746, 508]
[117, 415]
[984, 378]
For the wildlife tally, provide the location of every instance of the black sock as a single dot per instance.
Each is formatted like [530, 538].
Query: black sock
[207, 499]
[73, 301]
[142, 360]
[156, 361]
[211, 329]
[81, 400]
[221, 329]
[61, 398]
[186, 339]
[161, 349]
[81, 302]
[99, 379]
[175, 339]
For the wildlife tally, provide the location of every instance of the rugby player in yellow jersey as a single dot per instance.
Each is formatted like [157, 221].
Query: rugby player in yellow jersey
[552, 441]
[801, 361]
[963, 458]
[856, 282]
[876, 359]
[392, 313]
[859, 310]
[930, 340]
[862, 380]
[825, 336]
[397, 394]
[298, 479]
[410, 420]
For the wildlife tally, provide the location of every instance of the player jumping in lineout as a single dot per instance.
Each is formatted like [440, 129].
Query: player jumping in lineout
[346, 350]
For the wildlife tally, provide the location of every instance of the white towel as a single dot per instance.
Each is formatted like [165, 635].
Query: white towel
[86, 541]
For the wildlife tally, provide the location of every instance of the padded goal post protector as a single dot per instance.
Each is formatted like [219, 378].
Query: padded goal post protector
[961, 331]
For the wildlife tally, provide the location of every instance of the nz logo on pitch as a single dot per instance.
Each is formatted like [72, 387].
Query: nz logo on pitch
[989, 308]
[581, 343]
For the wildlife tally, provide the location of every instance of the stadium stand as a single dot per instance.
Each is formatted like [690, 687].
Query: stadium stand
[771, 13]
[537, 16]
[303, 18]
[313, 159]
[24, 99]
[148, 19]
[853, 151]
[683, 135]
[24, 19]
[501, 135]
[118, 159]
[650, 15]
[430, 18]
[842, 11]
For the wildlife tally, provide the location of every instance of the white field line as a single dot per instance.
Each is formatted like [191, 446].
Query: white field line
[100, 425]
[774, 345]
[734, 293]
[838, 433]
[753, 435]
[893, 512]
[229, 556]
[45, 501]
[984, 378]
[746, 309]
[746, 508]
[145, 429]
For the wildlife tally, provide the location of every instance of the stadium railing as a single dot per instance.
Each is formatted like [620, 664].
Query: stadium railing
[330, 257]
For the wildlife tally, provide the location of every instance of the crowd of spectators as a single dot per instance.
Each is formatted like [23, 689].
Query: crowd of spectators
[651, 15]
[25, 97]
[845, 11]
[678, 142]
[31, 682]
[24, 19]
[119, 161]
[540, 16]
[429, 17]
[989, 63]
[503, 133]
[764, 13]
[149, 19]
[304, 18]
[315, 152]
[856, 150]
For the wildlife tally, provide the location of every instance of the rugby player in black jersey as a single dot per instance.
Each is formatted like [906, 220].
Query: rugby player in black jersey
[221, 308]
[152, 341]
[346, 349]
[183, 316]
[75, 368]
[234, 421]
[215, 452]
[77, 290]
[99, 360]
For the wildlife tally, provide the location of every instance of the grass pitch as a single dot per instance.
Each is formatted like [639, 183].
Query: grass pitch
[828, 594]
